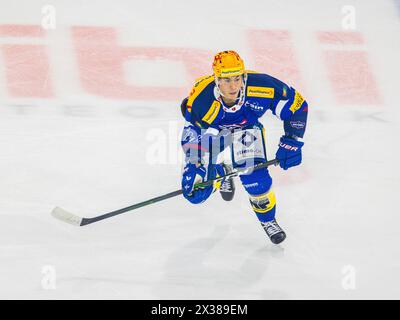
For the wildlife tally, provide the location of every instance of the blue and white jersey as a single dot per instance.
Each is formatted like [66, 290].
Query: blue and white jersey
[207, 114]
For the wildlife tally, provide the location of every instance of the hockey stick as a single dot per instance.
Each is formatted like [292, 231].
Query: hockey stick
[75, 220]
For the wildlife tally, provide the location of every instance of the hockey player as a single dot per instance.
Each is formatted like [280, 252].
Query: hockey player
[222, 111]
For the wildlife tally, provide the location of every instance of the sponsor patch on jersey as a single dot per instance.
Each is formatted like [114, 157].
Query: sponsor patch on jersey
[254, 105]
[297, 124]
[260, 92]
[298, 101]
[247, 139]
[212, 112]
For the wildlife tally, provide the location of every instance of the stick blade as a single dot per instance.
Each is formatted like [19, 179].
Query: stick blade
[66, 216]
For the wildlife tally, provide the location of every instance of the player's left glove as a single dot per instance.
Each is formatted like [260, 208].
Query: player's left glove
[289, 152]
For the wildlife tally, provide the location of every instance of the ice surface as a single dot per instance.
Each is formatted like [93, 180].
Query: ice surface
[92, 154]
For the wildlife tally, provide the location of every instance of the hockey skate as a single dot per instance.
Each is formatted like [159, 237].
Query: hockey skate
[274, 231]
[227, 188]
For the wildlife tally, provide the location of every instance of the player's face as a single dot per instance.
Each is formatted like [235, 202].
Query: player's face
[230, 86]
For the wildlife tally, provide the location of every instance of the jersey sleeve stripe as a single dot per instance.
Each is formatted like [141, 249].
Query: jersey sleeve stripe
[212, 112]
[279, 108]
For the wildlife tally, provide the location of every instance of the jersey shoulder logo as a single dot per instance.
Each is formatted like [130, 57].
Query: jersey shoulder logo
[297, 102]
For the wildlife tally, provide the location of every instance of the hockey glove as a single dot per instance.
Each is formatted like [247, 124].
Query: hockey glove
[194, 174]
[289, 152]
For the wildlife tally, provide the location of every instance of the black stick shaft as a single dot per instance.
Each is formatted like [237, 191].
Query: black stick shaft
[86, 221]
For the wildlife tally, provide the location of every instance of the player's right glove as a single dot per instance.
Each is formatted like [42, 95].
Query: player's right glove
[198, 173]
[193, 174]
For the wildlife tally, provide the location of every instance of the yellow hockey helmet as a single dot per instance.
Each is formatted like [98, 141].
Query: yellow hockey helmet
[227, 64]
